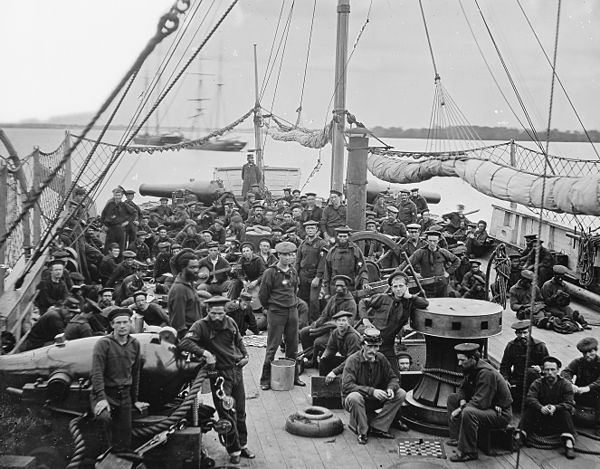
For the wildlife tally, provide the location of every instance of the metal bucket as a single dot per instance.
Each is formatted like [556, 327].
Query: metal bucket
[282, 374]
[138, 323]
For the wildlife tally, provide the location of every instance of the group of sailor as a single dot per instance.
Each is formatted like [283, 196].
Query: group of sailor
[289, 266]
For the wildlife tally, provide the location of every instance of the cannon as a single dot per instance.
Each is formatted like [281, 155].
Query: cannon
[206, 191]
[59, 373]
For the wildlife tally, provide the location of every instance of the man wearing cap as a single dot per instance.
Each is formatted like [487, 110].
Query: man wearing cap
[141, 249]
[130, 284]
[417, 199]
[343, 341]
[184, 304]
[435, 262]
[162, 236]
[546, 261]
[162, 263]
[257, 217]
[334, 215]
[278, 296]
[50, 324]
[218, 231]
[152, 312]
[373, 249]
[164, 211]
[251, 266]
[454, 219]
[515, 269]
[584, 374]
[520, 298]
[311, 211]
[413, 240]
[478, 242]
[310, 259]
[407, 210]
[52, 290]
[134, 220]
[115, 217]
[213, 271]
[558, 299]
[482, 400]
[287, 195]
[405, 362]
[425, 221]
[116, 364]
[549, 407]
[264, 251]
[344, 258]
[241, 312]
[391, 225]
[122, 270]
[512, 366]
[109, 262]
[473, 282]
[79, 326]
[217, 338]
[380, 206]
[105, 297]
[389, 312]
[250, 174]
[316, 335]
[368, 384]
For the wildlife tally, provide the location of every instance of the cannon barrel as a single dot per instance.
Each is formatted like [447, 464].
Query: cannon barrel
[376, 187]
[206, 191]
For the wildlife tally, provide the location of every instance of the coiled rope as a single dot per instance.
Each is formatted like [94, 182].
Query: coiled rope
[435, 373]
[554, 441]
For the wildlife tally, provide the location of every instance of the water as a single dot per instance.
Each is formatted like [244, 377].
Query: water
[186, 165]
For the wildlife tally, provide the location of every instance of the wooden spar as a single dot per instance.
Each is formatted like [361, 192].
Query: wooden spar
[339, 111]
[37, 213]
[257, 121]
[3, 208]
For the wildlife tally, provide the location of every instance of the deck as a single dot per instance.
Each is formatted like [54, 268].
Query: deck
[267, 412]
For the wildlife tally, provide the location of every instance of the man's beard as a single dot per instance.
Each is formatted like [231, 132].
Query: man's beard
[190, 276]
[217, 325]
[105, 303]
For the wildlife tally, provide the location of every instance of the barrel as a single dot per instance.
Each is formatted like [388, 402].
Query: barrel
[282, 374]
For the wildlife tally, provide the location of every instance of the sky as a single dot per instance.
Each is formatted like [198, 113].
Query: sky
[64, 57]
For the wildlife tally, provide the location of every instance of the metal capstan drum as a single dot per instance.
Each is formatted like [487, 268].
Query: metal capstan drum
[445, 323]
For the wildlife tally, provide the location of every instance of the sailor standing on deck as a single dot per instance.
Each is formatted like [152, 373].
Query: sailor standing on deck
[115, 217]
[334, 215]
[185, 306]
[116, 363]
[250, 174]
[483, 400]
[278, 295]
[218, 339]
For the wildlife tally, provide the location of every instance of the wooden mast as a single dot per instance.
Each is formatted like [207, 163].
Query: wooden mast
[257, 121]
[339, 111]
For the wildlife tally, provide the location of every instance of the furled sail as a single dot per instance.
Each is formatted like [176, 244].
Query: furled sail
[576, 195]
[306, 137]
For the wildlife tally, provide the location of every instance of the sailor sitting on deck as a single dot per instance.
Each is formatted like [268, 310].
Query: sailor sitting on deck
[520, 299]
[549, 405]
[557, 298]
[584, 373]
[368, 384]
[483, 400]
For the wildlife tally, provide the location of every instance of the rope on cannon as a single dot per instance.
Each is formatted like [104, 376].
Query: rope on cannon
[78, 442]
[178, 413]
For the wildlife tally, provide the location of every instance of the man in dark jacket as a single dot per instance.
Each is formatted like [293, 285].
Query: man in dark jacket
[549, 405]
[584, 373]
[343, 342]
[368, 384]
[241, 312]
[345, 258]
[52, 290]
[277, 294]
[116, 364]
[512, 366]
[50, 324]
[185, 306]
[218, 339]
[250, 174]
[115, 217]
[389, 313]
[483, 400]
[317, 334]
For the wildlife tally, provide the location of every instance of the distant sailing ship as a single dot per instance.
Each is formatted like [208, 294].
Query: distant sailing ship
[217, 143]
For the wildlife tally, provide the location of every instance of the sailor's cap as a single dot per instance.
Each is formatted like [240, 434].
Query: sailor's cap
[466, 347]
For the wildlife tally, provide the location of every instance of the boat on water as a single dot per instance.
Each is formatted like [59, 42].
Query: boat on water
[219, 144]
[158, 139]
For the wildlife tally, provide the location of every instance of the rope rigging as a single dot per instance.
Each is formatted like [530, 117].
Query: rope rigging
[538, 246]
[310, 33]
[168, 23]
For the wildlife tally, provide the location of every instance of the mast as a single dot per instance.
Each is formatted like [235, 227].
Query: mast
[341, 54]
[257, 120]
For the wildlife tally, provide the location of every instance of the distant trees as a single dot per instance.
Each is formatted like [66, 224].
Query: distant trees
[486, 133]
